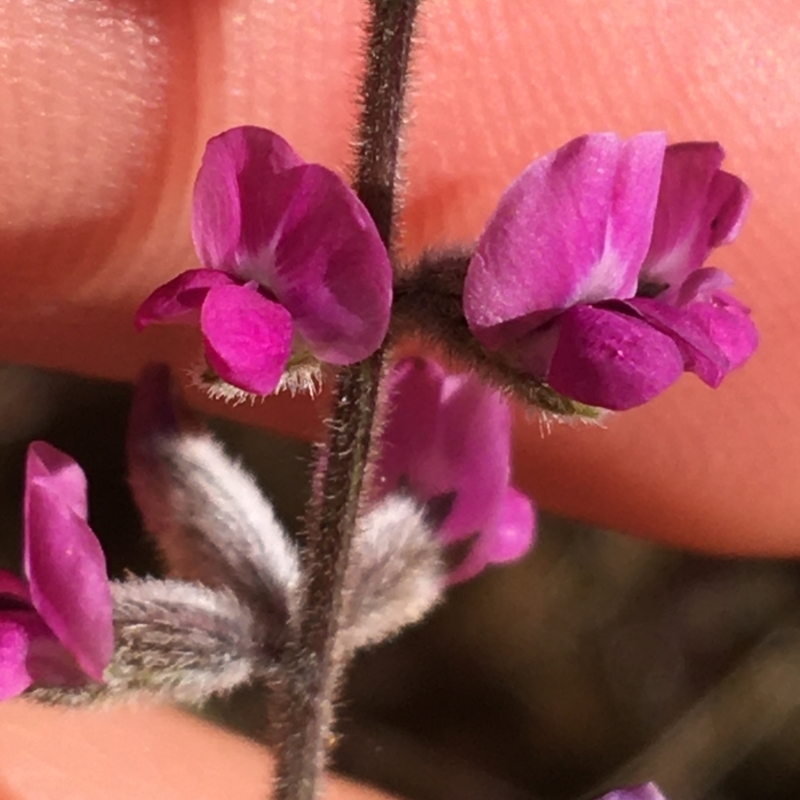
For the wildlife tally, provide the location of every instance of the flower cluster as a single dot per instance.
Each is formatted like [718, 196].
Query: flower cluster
[590, 276]
[445, 482]
[294, 271]
[590, 273]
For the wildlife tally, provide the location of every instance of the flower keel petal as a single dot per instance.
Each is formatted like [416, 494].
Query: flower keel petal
[248, 338]
[66, 571]
[713, 338]
[612, 360]
[63, 476]
[508, 539]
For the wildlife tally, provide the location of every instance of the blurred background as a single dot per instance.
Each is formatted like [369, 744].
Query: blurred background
[596, 661]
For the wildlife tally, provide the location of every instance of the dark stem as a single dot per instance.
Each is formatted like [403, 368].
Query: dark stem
[313, 667]
[389, 36]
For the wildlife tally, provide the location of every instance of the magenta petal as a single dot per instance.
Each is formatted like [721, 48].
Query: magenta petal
[612, 360]
[61, 474]
[713, 338]
[572, 228]
[630, 224]
[236, 171]
[701, 284]
[14, 676]
[515, 529]
[729, 325]
[414, 392]
[180, 299]
[728, 204]
[699, 208]
[508, 539]
[448, 435]
[647, 791]
[64, 562]
[45, 660]
[326, 263]
[474, 448]
[248, 338]
[680, 244]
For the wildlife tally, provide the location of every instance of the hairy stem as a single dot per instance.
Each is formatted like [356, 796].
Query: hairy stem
[428, 302]
[305, 700]
[389, 37]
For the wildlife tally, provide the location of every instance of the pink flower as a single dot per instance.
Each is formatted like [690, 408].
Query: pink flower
[292, 264]
[56, 627]
[448, 441]
[554, 280]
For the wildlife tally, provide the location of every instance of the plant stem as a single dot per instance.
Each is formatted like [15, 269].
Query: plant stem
[389, 37]
[428, 303]
[312, 666]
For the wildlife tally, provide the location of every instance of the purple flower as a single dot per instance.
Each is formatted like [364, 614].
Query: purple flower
[448, 443]
[292, 264]
[647, 791]
[56, 627]
[589, 274]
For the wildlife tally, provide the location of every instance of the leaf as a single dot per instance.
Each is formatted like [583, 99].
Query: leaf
[173, 640]
[206, 512]
[396, 573]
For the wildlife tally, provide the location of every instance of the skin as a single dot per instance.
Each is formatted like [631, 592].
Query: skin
[135, 753]
[106, 105]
